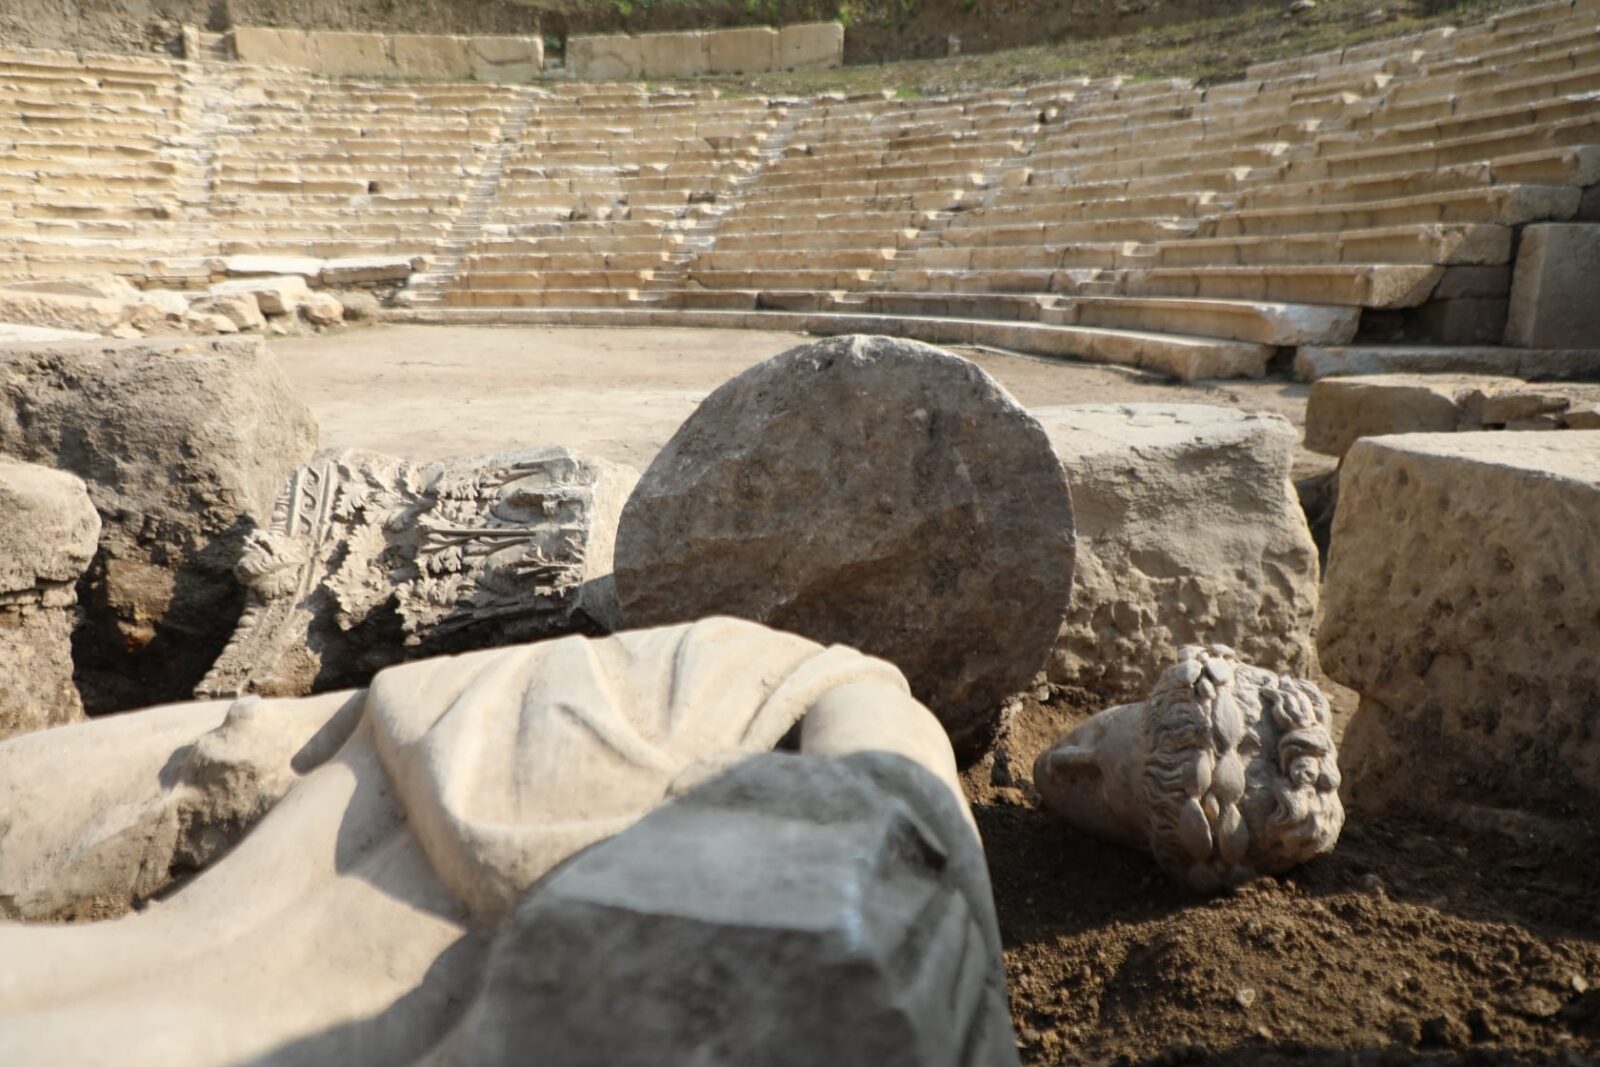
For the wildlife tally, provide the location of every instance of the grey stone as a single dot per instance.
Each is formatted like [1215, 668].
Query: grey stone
[792, 911]
[370, 560]
[870, 491]
[184, 445]
[48, 530]
[1553, 301]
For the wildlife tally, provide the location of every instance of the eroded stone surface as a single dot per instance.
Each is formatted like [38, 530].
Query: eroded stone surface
[791, 911]
[1225, 771]
[48, 531]
[1188, 530]
[371, 559]
[1460, 602]
[869, 491]
[1340, 411]
[184, 445]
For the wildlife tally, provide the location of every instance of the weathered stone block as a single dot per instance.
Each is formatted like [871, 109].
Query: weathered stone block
[746, 50]
[604, 57]
[505, 59]
[794, 910]
[672, 55]
[1553, 302]
[48, 531]
[1339, 411]
[276, 295]
[184, 445]
[430, 57]
[810, 44]
[1189, 531]
[353, 55]
[1460, 604]
[273, 48]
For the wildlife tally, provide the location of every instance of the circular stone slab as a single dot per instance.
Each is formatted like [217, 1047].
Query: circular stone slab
[869, 491]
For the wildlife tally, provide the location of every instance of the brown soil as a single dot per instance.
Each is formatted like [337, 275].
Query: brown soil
[1412, 942]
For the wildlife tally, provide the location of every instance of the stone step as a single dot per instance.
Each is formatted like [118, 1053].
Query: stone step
[1313, 362]
[1186, 358]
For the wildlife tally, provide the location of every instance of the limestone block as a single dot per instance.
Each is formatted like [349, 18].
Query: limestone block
[672, 55]
[1189, 531]
[1460, 600]
[241, 309]
[184, 445]
[604, 57]
[791, 911]
[205, 323]
[273, 48]
[1225, 771]
[872, 491]
[370, 560]
[431, 57]
[359, 305]
[1553, 301]
[349, 55]
[356, 270]
[252, 266]
[97, 305]
[1341, 410]
[48, 530]
[282, 294]
[746, 50]
[505, 59]
[323, 309]
[810, 44]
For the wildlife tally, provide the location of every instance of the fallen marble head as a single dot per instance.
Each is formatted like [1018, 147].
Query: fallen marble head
[405, 873]
[1225, 772]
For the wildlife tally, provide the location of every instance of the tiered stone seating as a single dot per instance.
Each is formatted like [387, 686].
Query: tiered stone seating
[606, 192]
[332, 169]
[1337, 203]
[92, 172]
[1373, 194]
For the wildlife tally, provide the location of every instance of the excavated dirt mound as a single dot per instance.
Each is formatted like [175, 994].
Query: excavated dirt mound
[1410, 943]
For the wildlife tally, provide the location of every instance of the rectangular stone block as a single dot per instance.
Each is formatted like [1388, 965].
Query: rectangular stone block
[741, 51]
[430, 57]
[1555, 293]
[272, 48]
[672, 55]
[506, 59]
[1166, 559]
[1341, 411]
[349, 55]
[810, 44]
[604, 57]
[1460, 603]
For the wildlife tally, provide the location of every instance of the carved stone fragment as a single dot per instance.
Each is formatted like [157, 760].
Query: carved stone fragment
[1225, 772]
[370, 560]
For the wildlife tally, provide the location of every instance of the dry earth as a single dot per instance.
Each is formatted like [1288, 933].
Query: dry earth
[1412, 943]
[427, 392]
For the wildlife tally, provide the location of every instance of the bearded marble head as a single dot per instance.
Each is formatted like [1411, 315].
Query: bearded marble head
[1225, 772]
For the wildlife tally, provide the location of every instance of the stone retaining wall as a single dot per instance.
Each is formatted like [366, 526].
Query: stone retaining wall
[422, 57]
[750, 50]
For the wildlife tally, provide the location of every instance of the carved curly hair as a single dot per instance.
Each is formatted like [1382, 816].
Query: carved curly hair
[1240, 775]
